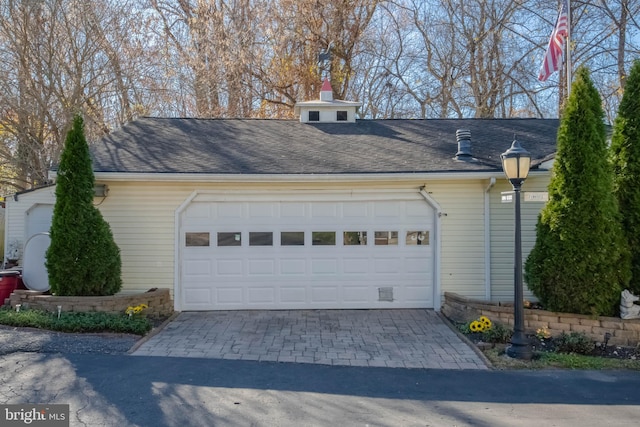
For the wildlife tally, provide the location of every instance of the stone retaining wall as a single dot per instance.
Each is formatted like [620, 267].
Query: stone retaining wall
[623, 332]
[158, 300]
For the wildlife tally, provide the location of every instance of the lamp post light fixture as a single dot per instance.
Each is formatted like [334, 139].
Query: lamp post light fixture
[515, 163]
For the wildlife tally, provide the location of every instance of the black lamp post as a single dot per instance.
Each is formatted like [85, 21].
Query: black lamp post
[515, 163]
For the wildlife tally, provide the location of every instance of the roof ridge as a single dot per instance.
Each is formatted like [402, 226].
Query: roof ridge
[212, 118]
[470, 119]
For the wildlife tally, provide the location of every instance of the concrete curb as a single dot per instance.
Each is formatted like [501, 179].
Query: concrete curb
[153, 332]
[467, 341]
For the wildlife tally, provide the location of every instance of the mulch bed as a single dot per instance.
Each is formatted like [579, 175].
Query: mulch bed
[599, 349]
[549, 345]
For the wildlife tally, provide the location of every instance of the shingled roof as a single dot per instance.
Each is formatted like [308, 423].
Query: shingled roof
[254, 146]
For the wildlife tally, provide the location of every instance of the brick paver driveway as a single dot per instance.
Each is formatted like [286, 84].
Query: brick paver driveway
[379, 338]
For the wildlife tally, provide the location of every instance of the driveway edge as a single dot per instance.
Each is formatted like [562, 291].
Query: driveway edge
[153, 332]
[466, 340]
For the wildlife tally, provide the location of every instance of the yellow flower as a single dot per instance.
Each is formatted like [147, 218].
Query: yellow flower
[543, 333]
[135, 310]
[476, 326]
[485, 321]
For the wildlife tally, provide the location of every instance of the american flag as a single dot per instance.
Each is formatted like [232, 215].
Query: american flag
[553, 56]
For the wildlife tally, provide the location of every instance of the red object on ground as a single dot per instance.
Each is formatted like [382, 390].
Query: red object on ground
[9, 281]
[20, 283]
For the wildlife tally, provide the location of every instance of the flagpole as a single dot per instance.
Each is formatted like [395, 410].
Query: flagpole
[568, 48]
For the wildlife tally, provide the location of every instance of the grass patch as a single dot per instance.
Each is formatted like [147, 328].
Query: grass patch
[551, 360]
[76, 322]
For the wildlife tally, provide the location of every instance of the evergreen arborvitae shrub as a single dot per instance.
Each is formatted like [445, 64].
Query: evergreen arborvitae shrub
[625, 156]
[580, 261]
[83, 258]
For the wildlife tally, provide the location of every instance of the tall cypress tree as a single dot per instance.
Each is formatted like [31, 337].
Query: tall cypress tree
[83, 258]
[580, 261]
[625, 156]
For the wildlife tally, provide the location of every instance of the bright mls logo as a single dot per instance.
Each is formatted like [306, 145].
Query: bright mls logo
[34, 415]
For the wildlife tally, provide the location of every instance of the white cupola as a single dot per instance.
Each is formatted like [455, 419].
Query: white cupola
[326, 93]
[326, 109]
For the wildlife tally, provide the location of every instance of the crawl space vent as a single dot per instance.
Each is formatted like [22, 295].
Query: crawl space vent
[385, 294]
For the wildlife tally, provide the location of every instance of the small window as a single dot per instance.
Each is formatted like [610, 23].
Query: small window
[292, 238]
[196, 239]
[260, 238]
[341, 116]
[230, 239]
[314, 116]
[354, 238]
[323, 238]
[386, 238]
[417, 238]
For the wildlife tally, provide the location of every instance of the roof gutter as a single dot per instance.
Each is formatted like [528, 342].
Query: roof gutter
[353, 177]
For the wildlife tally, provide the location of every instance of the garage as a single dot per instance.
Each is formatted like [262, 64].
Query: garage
[317, 213]
[306, 251]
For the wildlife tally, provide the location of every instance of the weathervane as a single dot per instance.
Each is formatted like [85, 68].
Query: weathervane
[324, 59]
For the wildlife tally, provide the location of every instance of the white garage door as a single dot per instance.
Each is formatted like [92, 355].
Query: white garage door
[304, 254]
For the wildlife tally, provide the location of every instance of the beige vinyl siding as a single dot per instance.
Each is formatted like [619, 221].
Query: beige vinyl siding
[503, 235]
[463, 237]
[16, 212]
[141, 216]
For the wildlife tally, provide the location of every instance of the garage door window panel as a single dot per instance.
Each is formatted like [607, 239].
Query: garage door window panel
[230, 239]
[196, 239]
[386, 238]
[324, 238]
[260, 238]
[355, 238]
[415, 238]
[292, 238]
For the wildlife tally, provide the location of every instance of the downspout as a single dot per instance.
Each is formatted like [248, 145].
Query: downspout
[487, 239]
[177, 266]
[437, 300]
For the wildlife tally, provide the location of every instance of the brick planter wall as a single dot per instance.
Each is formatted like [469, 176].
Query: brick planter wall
[623, 332]
[158, 300]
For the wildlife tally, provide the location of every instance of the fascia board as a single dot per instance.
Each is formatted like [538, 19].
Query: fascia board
[198, 177]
